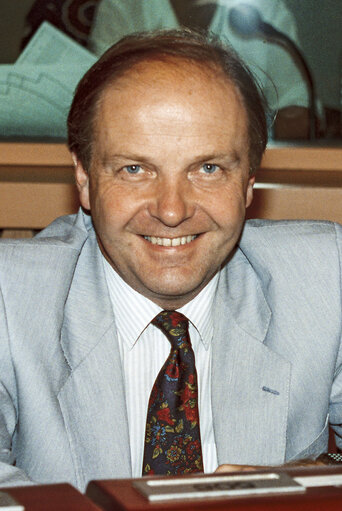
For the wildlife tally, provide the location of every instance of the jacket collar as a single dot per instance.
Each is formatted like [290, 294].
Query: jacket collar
[250, 383]
[93, 398]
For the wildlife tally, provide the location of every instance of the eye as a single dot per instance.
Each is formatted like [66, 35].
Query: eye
[132, 169]
[209, 168]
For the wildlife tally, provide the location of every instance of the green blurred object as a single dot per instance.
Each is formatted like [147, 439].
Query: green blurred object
[36, 91]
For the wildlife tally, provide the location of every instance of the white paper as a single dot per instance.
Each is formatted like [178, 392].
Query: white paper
[36, 91]
[34, 100]
[51, 46]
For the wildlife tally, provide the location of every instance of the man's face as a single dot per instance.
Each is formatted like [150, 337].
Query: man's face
[168, 183]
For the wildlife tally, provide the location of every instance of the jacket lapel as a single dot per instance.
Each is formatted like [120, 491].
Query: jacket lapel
[92, 399]
[250, 382]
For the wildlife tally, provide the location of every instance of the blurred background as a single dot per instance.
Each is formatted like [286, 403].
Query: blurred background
[315, 26]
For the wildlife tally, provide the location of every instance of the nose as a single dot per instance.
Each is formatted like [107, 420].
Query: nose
[171, 203]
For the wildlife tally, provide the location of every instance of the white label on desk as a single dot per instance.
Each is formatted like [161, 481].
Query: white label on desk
[247, 485]
[322, 480]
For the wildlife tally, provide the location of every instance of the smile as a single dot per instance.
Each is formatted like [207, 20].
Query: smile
[170, 242]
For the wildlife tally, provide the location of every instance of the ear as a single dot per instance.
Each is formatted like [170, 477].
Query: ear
[82, 182]
[249, 191]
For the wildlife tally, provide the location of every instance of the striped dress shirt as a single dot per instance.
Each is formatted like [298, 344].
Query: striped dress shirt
[143, 351]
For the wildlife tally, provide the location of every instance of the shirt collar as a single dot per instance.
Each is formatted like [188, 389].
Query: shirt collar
[127, 302]
[199, 311]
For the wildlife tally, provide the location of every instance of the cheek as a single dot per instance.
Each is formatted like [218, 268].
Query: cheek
[105, 212]
[107, 200]
[114, 212]
[227, 205]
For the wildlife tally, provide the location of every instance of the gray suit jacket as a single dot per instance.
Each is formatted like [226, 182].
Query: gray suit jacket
[276, 381]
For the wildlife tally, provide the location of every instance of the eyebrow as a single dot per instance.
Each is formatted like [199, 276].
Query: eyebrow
[230, 157]
[131, 156]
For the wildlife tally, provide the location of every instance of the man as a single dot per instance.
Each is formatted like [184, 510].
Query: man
[167, 131]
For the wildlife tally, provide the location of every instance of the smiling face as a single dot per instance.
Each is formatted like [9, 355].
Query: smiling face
[169, 178]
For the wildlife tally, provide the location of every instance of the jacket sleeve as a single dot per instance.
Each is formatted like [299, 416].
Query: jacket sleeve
[9, 474]
[335, 412]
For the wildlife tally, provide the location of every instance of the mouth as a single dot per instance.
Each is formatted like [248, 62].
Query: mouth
[170, 242]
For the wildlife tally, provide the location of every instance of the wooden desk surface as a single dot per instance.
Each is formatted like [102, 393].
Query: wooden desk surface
[56, 497]
[120, 495]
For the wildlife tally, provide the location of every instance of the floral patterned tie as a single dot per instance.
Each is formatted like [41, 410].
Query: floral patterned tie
[172, 439]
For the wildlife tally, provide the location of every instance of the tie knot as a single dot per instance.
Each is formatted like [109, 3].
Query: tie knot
[174, 325]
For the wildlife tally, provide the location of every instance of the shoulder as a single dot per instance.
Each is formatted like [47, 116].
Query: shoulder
[55, 247]
[68, 231]
[301, 247]
[282, 232]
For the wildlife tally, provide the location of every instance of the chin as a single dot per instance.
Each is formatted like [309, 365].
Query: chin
[174, 291]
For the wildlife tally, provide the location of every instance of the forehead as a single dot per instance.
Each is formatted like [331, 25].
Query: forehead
[173, 74]
[168, 97]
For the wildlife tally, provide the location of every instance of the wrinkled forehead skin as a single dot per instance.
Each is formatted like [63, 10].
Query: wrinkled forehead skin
[177, 75]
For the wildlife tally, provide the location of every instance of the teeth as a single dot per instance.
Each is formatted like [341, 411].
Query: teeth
[170, 242]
